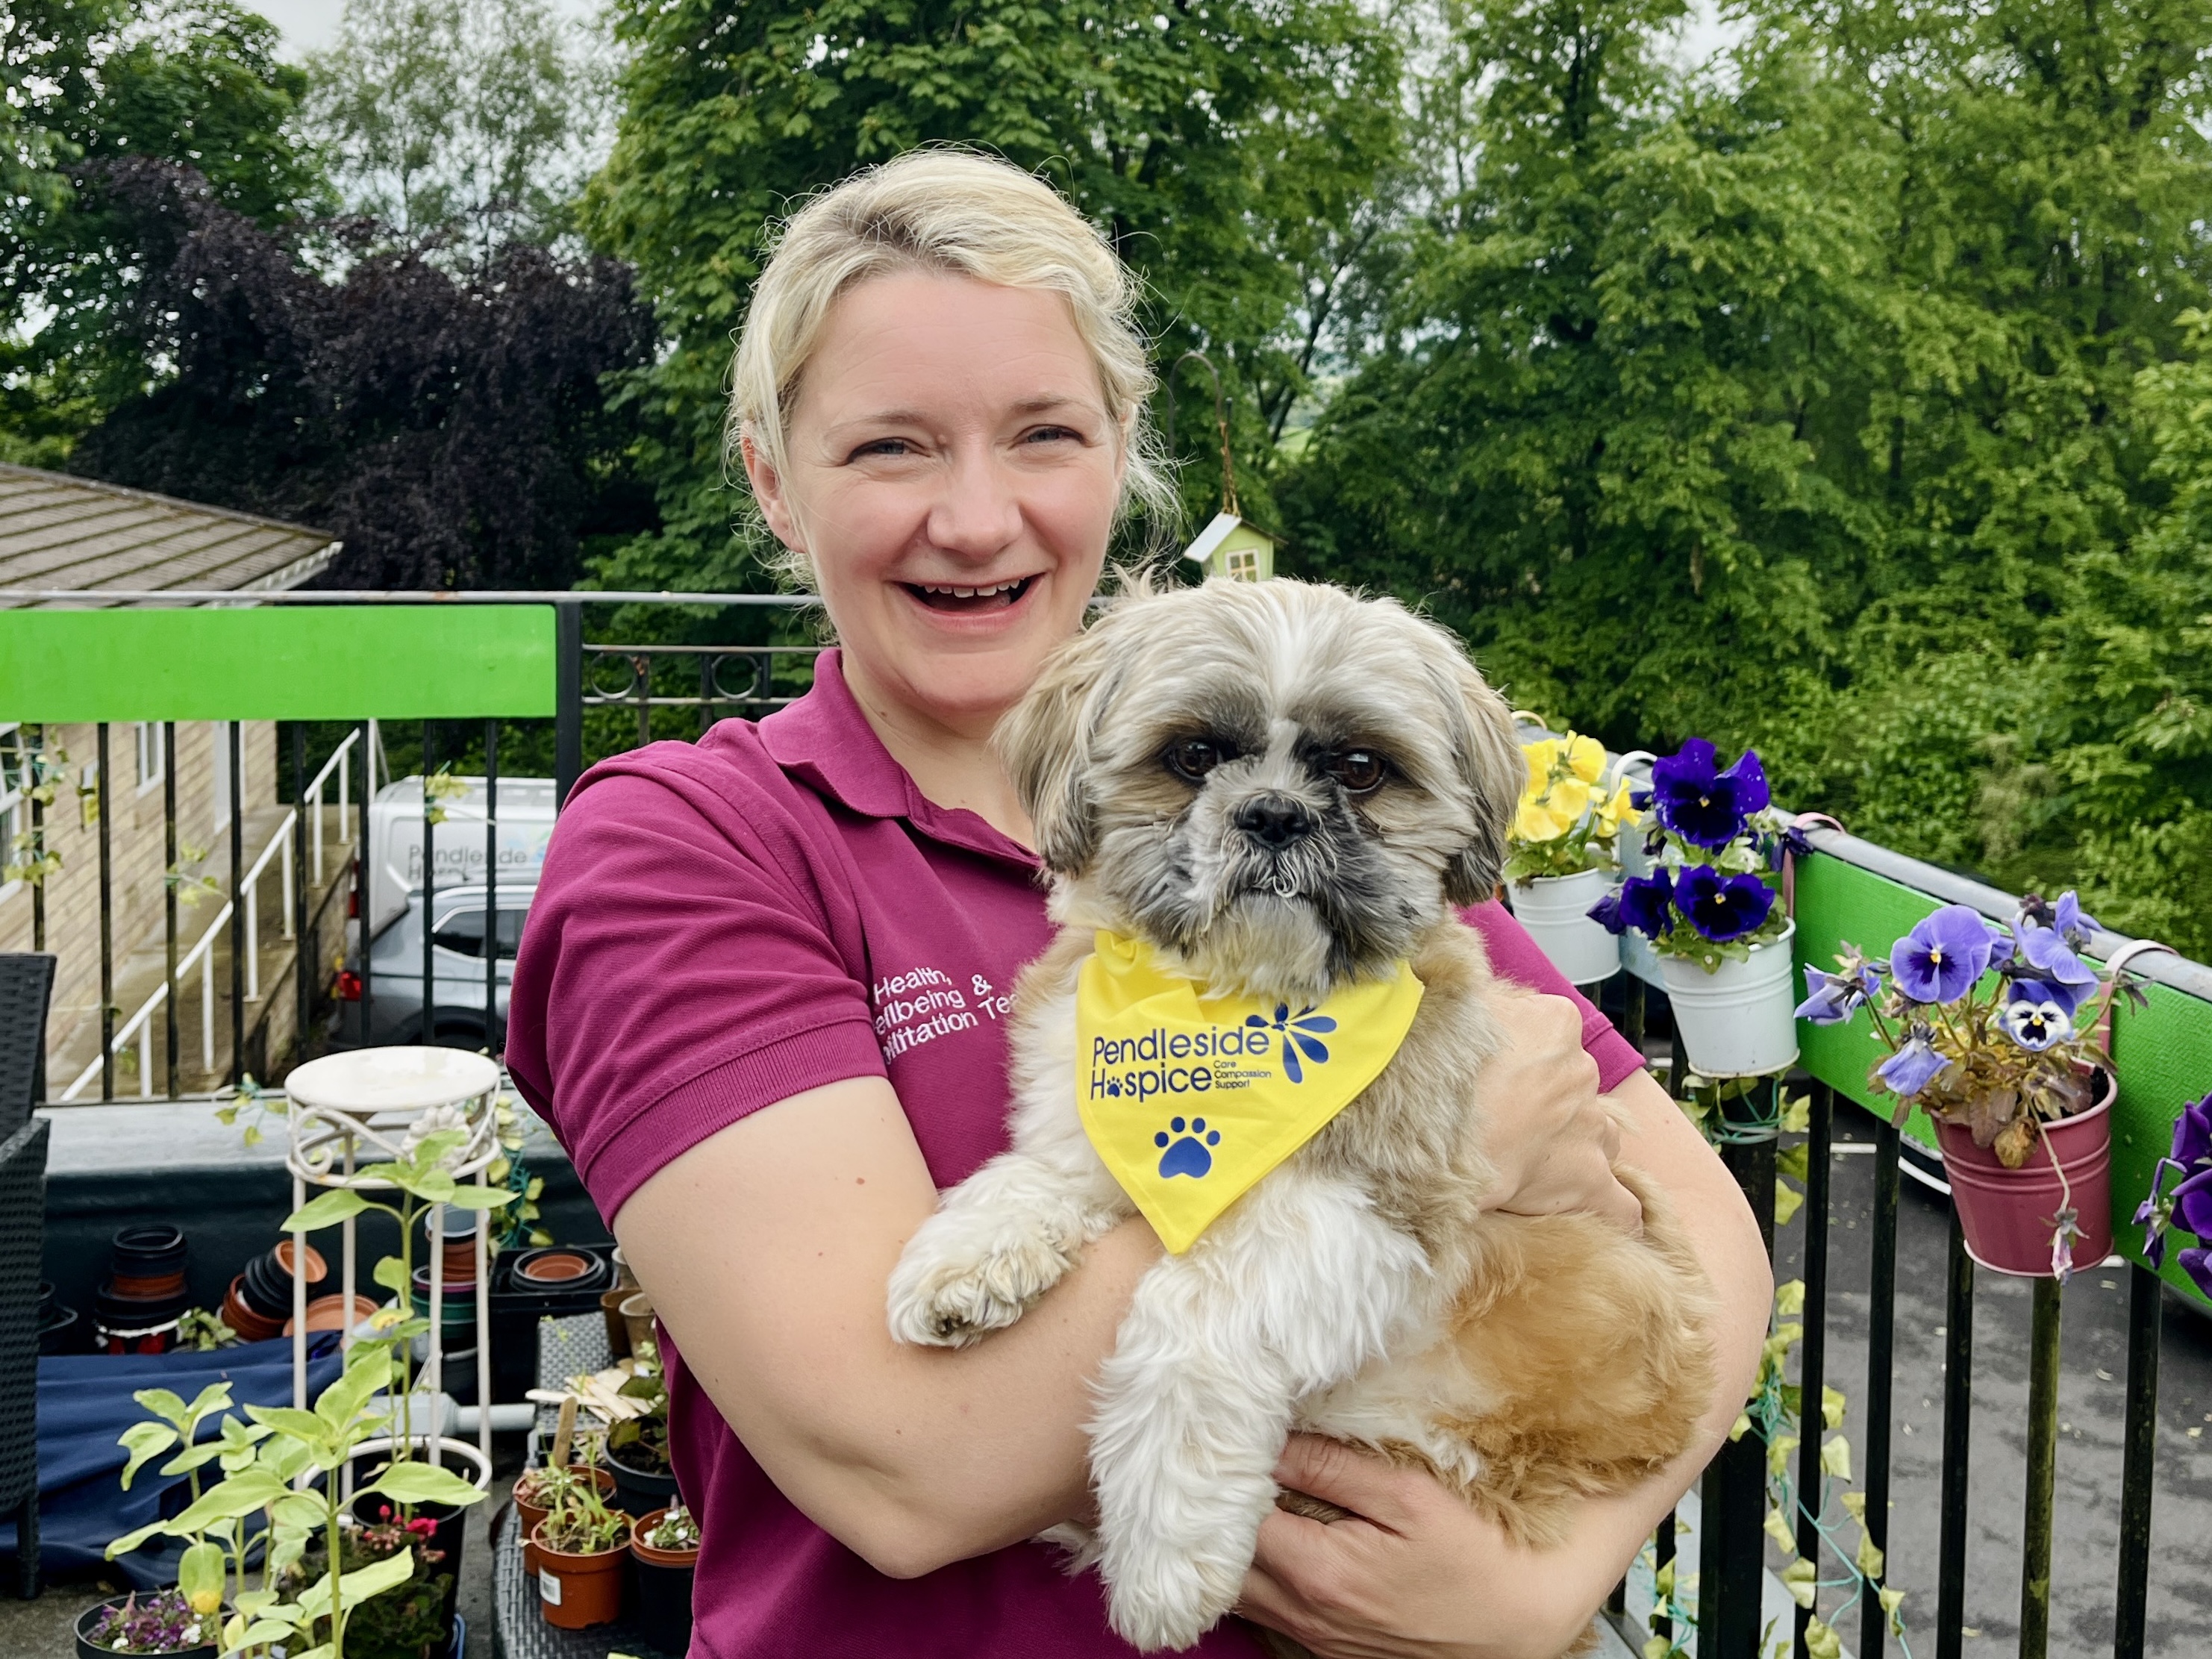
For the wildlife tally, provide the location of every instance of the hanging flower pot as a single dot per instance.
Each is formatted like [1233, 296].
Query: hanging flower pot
[665, 1545]
[2008, 1216]
[1555, 910]
[1736, 1019]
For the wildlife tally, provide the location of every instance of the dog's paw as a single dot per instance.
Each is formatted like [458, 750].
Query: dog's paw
[1162, 1598]
[964, 1275]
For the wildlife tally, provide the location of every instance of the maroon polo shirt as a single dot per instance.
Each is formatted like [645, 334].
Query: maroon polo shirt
[722, 925]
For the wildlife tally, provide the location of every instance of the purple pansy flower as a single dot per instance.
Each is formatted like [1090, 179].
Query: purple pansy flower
[2192, 1204]
[2196, 1262]
[2192, 1134]
[1704, 806]
[1915, 1066]
[1832, 999]
[2073, 923]
[1644, 903]
[2036, 1023]
[2001, 944]
[2046, 951]
[1939, 960]
[1721, 908]
[2068, 997]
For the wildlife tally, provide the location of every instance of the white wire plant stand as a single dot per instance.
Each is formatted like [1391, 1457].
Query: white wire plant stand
[351, 1113]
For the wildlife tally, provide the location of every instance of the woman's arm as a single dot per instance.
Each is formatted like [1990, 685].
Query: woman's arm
[768, 1249]
[1416, 1571]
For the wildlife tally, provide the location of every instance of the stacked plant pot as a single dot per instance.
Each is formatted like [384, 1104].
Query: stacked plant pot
[663, 1585]
[259, 1304]
[137, 1306]
[60, 1330]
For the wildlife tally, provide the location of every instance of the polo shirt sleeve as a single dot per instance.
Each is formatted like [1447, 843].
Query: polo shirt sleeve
[682, 968]
[1515, 956]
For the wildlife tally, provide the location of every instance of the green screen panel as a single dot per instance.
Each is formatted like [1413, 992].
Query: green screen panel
[2162, 1054]
[277, 662]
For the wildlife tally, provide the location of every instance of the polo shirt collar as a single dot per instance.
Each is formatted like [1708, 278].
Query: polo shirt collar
[825, 742]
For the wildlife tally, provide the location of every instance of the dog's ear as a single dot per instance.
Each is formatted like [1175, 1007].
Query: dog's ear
[1045, 743]
[1487, 753]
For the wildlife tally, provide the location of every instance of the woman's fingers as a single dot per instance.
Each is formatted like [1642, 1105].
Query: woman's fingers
[1549, 1134]
[1371, 1488]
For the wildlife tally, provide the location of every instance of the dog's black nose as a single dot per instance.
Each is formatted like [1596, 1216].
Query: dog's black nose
[1275, 820]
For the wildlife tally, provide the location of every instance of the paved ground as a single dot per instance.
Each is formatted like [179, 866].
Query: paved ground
[2091, 1402]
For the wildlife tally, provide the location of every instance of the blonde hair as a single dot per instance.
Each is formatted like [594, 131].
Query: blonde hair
[950, 210]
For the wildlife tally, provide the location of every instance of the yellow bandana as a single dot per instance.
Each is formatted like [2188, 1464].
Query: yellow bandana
[1189, 1101]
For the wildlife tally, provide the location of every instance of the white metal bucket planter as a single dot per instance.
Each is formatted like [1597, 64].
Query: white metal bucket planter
[373, 1106]
[1555, 909]
[1740, 1020]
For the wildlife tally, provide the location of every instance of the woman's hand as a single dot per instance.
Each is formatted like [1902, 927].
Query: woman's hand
[1413, 1571]
[1551, 1137]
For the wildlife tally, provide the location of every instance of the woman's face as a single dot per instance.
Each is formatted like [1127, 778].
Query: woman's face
[952, 474]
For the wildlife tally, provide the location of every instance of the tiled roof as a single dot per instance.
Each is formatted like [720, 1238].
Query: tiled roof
[61, 532]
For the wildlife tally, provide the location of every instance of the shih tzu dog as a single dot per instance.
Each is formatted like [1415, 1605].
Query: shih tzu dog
[1284, 793]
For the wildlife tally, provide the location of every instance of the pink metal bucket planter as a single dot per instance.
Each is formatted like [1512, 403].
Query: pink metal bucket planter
[2007, 1214]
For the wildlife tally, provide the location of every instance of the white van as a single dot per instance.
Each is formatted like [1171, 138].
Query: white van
[395, 831]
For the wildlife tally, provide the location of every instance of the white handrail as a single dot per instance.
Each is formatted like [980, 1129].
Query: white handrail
[138, 1024]
[341, 758]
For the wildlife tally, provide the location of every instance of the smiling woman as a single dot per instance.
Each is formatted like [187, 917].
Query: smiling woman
[764, 995]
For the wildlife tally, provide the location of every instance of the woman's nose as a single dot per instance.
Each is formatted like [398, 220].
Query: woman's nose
[977, 514]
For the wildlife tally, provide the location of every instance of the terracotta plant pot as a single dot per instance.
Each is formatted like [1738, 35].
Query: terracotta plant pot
[2007, 1214]
[611, 1310]
[637, 1320]
[575, 1592]
[663, 1587]
[240, 1317]
[328, 1313]
[553, 1268]
[527, 1515]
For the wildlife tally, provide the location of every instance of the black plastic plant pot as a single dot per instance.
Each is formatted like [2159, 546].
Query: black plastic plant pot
[641, 1492]
[663, 1604]
[149, 1252]
[87, 1649]
[58, 1330]
[449, 1525]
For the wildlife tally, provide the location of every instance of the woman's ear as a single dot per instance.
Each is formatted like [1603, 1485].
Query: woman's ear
[1045, 743]
[767, 490]
[1487, 753]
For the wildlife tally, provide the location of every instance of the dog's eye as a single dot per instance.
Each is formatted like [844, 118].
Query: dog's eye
[1192, 758]
[1360, 770]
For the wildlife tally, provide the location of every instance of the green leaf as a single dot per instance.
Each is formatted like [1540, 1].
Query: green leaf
[1869, 1557]
[144, 1441]
[169, 1407]
[202, 1572]
[1835, 1458]
[1658, 1647]
[1803, 1580]
[1855, 1506]
[1788, 1200]
[358, 1585]
[392, 1274]
[241, 1495]
[479, 1197]
[340, 1204]
[1796, 1162]
[131, 1541]
[185, 1462]
[303, 1426]
[1831, 1406]
[433, 1187]
[416, 1482]
[1821, 1641]
[1790, 1297]
[299, 1509]
[1777, 1528]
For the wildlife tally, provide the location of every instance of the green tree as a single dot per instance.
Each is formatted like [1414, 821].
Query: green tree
[1229, 150]
[471, 117]
[92, 83]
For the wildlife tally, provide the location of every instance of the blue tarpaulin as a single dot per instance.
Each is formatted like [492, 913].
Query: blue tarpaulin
[85, 1404]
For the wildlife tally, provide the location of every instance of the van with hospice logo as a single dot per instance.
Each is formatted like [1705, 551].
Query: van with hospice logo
[457, 844]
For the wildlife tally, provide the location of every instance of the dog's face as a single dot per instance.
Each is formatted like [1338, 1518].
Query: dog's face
[1276, 785]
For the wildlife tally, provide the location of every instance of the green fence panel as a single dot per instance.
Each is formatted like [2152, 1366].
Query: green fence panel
[278, 662]
[2162, 1056]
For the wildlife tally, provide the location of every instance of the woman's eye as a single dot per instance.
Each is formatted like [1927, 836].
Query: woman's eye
[1046, 434]
[883, 446]
[1360, 770]
[1194, 758]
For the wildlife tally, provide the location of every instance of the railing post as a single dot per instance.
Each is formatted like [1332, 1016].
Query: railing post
[303, 988]
[430, 888]
[284, 862]
[492, 1041]
[1732, 1554]
[100, 799]
[39, 841]
[238, 942]
[2146, 1300]
[345, 769]
[567, 700]
[1957, 1412]
[169, 901]
[1813, 1350]
[364, 890]
[1881, 1337]
[2044, 1298]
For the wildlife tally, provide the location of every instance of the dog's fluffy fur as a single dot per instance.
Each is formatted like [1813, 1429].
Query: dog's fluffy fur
[1360, 1290]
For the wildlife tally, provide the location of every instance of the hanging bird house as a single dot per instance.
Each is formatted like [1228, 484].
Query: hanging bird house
[1235, 547]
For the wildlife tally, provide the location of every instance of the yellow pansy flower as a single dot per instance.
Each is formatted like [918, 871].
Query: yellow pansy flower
[1616, 812]
[1538, 821]
[1542, 756]
[1569, 797]
[1585, 757]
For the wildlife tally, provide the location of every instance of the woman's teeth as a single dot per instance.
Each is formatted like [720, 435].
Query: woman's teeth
[947, 595]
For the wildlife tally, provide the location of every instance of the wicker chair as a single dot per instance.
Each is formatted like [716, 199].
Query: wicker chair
[27, 982]
[22, 1233]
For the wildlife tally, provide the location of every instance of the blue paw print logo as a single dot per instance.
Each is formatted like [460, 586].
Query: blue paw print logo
[1301, 1033]
[1113, 1086]
[1186, 1152]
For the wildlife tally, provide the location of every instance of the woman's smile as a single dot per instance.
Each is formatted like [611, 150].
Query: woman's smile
[981, 602]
